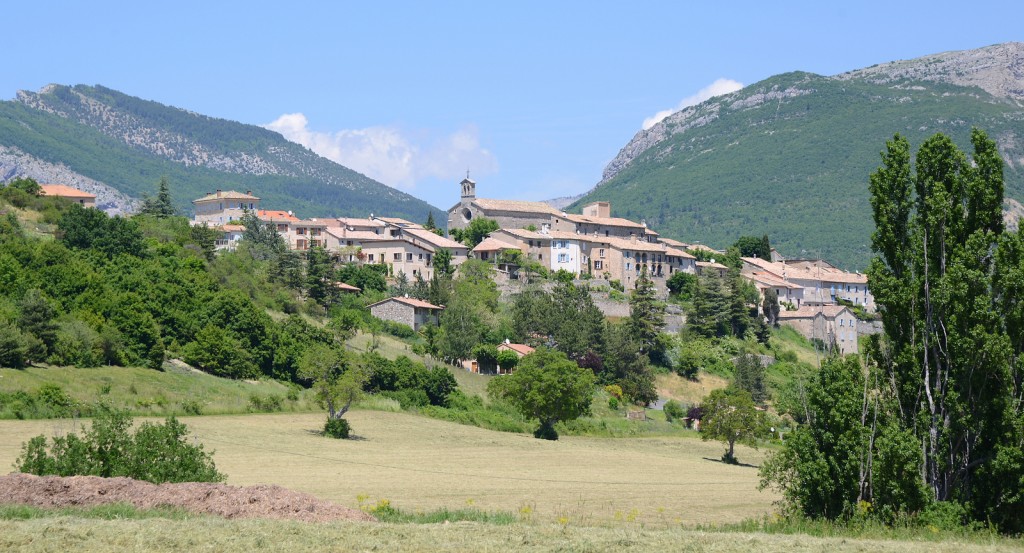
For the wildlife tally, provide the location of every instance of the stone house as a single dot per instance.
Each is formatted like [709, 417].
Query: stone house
[405, 310]
[828, 323]
[823, 283]
[217, 208]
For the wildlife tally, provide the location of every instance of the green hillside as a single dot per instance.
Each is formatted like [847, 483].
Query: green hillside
[790, 156]
[129, 143]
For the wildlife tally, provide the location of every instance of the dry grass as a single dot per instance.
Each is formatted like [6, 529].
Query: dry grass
[424, 464]
[209, 534]
[690, 392]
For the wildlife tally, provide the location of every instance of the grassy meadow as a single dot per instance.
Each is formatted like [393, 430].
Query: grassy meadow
[147, 392]
[212, 534]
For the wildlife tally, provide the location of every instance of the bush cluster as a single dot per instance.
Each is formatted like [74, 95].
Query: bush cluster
[337, 428]
[154, 452]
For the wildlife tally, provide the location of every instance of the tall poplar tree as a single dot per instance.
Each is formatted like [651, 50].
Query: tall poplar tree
[950, 361]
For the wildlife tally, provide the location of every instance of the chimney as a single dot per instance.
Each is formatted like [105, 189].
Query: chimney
[248, 192]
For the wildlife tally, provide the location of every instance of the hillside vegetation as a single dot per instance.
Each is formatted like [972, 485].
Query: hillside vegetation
[128, 143]
[789, 156]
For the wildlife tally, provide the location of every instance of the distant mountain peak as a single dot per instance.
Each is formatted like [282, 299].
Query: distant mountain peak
[996, 69]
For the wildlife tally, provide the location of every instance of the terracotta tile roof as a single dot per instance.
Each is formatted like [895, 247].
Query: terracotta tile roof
[521, 349]
[225, 195]
[409, 301]
[354, 235]
[275, 215]
[809, 312]
[492, 245]
[347, 287]
[233, 228]
[824, 274]
[605, 221]
[433, 239]
[398, 222]
[353, 222]
[771, 280]
[715, 265]
[309, 223]
[525, 234]
[703, 247]
[515, 206]
[63, 191]
[672, 242]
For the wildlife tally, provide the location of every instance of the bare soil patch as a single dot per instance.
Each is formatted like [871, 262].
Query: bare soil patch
[268, 502]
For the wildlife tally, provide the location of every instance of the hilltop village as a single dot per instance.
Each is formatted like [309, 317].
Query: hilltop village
[815, 297]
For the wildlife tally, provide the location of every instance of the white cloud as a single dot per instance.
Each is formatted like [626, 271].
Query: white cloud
[717, 88]
[390, 156]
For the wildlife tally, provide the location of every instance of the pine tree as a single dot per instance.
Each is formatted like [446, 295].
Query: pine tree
[646, 313]
[161, 206]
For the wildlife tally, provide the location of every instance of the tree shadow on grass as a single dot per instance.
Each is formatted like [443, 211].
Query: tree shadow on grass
[351, 437]
[746, 465]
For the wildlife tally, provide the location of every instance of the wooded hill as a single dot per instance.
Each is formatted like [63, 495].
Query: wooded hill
[789, 156]
[128, 143]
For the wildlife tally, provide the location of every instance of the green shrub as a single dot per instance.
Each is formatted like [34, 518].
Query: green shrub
[613, 403]
[155, 452]
[190, 407]
[337, 428]
[673, 410]
[264, 404]
[399, 330]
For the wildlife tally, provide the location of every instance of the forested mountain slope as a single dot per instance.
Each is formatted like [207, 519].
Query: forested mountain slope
[790, 156]
[96, 137]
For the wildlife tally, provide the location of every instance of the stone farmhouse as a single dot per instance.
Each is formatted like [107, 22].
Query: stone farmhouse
[405, 310]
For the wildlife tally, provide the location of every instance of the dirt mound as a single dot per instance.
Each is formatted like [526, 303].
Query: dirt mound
[215, 499]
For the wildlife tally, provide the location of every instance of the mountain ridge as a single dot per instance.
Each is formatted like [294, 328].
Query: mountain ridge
[790, 155]
[142, 140]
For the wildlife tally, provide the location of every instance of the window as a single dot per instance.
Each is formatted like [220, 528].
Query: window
[370, 258]
[301, 231]
[531, 243]
[563, 258]
[421, 257]
[600, 253]
[398, 256]
[598, 265]
[408, 257]
[629, 266]
[428, 259]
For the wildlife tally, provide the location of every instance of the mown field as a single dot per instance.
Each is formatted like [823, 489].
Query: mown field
[576, 494]
[419, 463]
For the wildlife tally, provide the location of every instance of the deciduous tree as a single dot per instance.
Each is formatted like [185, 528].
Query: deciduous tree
[729, 416]
[548, 387]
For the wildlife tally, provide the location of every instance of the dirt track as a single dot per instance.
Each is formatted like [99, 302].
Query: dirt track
[216, 499]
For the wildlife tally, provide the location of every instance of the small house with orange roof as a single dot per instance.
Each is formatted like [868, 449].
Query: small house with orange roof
[77, 196]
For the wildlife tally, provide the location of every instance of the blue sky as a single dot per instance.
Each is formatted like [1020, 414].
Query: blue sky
[534, 98]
